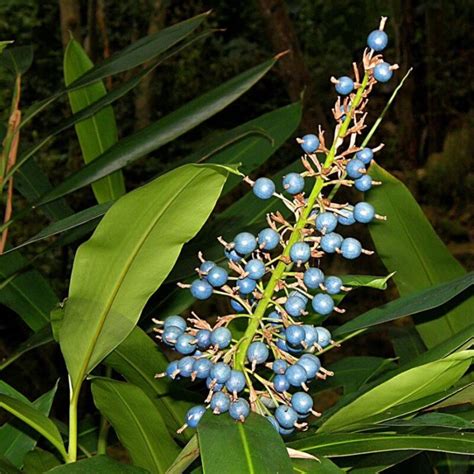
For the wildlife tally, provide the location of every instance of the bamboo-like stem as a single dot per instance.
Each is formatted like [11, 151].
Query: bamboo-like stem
[74, 398]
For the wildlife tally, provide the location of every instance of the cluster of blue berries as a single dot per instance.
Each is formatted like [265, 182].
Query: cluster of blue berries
[274, 279]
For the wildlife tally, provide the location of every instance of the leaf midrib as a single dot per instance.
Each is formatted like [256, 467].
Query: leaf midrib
[247, 452]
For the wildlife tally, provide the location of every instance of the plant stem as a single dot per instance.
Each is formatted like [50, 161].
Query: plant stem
[72, 448]
[295, 236]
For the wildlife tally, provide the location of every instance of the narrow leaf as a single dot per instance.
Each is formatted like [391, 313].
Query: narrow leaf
[186, 457]
[98, 465]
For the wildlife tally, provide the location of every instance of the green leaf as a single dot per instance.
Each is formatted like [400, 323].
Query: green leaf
[17, 59]
[15, 442]
[408, 245]
[438, 420]
[413, 304]
[7, 467]
[360, 443]
[232, 447]
[99, 132]
[161, 132]
[122, 265]
[138, 359]
[406, 342]
[376, 462]
[186, 457]
[137, 423]
[4, 44]
[320, 466]
[98, 465]
[367, 281]
[35, 419]
[39, 461]
[410, 385]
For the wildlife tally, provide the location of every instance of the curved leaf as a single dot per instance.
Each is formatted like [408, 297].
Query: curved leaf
[186, 457]
[128, 257]
[98, 465]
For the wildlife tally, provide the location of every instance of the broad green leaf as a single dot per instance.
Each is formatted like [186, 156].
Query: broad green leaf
[98, 465]
[160, 132]
[138, 359]
[408, 245]
[99, 132]
[4, 44]
[406, 342]
[17, 59]
[408, 386]
[35, 419]
[416, 303]
[127, 258]
[15, 442]
[234, 448]
[320, 466]
[438, 420]
[7, 467]
[334, 445]
[376, 462]
[460, 397]
[39, 461]
[367, 281]
[186, 457]
[137, 423]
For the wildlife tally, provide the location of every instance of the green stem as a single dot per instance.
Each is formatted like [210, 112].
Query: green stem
[72, 448]
[295, 236]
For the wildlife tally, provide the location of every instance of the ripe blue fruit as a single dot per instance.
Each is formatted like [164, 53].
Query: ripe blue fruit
[280, 383]
[217, 276]
[286, 416]
[203, 338]
[246, 285]
[172, 369]
[330, 242]
[302, 403]
[333, 284]
[310, 336]
[170, 335]
[313, 277]
[236, 306]
[364, 183]
[175, 320]
[185, 366]
[206, 266]
[201, 289]
[364, 212]
[273, 422]
[257, 352]
[220, 372]
[194, 415]
[322, 304]
[296, 375]
[295, 335]
[232, 255]
[221, 337]
[310, 364]
[245, 243]
[295, 306]
[236, 382]
[185, 344]
[300, 252]
[202, 368]
[355, 168]
[346, 216]
[275, 318]
[255, 268]
[216, 387]
[351, 248]
[264, 188]
[345, 85]
[279, 366]
[268, 239]
[239, 409]
[326, 222]
[377, 40]
[324, 336]
[220, 403]
[365, 155]
[293, 183]
[382, 72]
[310, 143]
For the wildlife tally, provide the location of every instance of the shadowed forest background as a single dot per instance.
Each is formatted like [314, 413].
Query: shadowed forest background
[428, 132]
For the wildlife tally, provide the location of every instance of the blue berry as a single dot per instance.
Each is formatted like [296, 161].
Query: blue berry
[382, 72]
[326, 222]
[268, 239]
[172, 369]
[221, 337]
[232, 255]
[170, 335]
[239, 409]
[295, 335]
[280, 383]
[220, 372]
[275, 318]
[330, 242]
[202, 368]
[285, 432]
[310, 336]
[185, 366]
[364, 183]
[246, 285]
[264, 188]
[322, 304]
[346, 216]
[216, 387]
[236, 382]
[257, 352]
[364, 212]
[245, 243]
[299, 295]
[236, 306]
[295, 306]
[220, 403]
[310, 143]
[217, 276]
[194, 415]
[286, 416]
[206, 266]
[201, 289]
[355, 168]
[203, 338]
[377, 40]
[351, 248]
[273, 422]
[185, 344]
[333, 284]
[176, 321]
[310, 364]
[365, 155]
[324, 337]
[300, 252]
[293, 183]
[255, 268]
[313, 277]
[345, 85]
[283, 346]
[296, 375]
[279, 366]
[302, 403]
